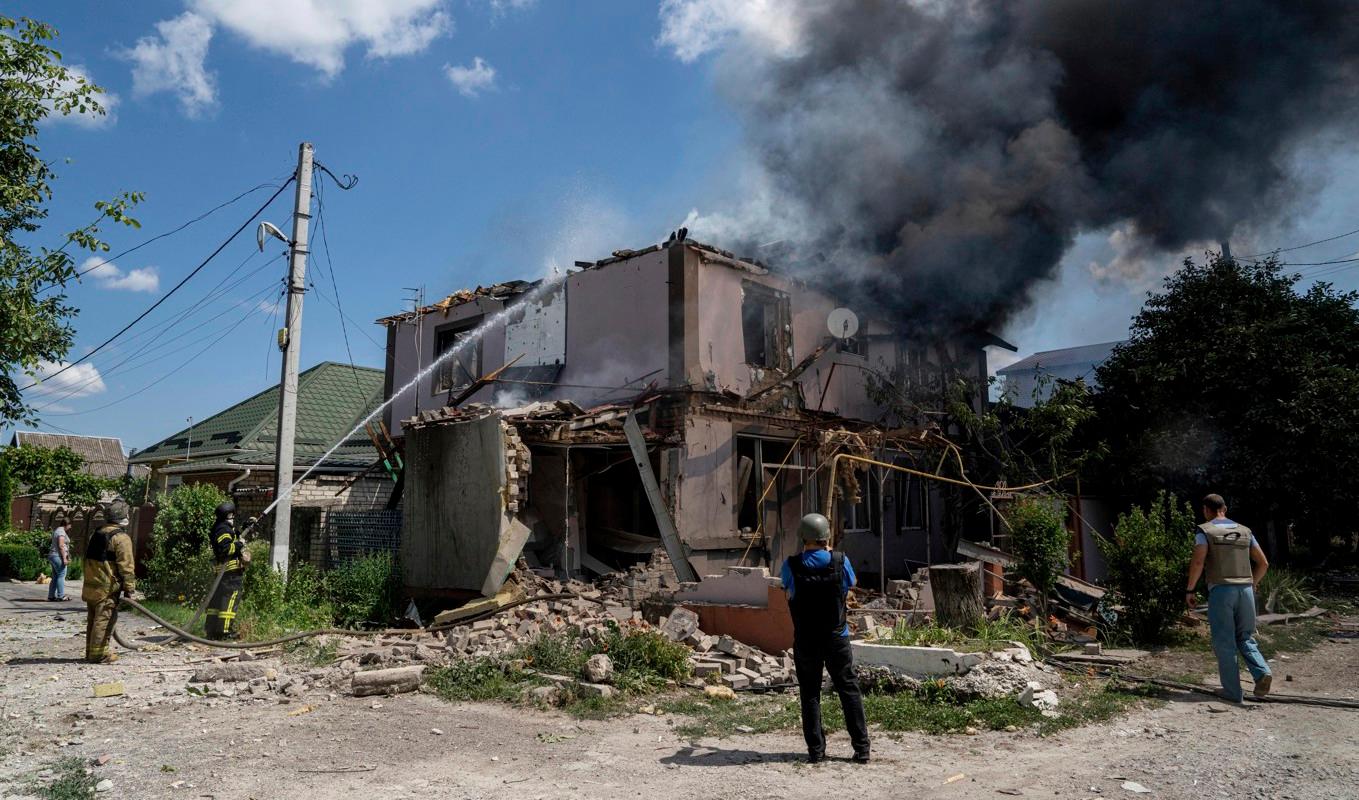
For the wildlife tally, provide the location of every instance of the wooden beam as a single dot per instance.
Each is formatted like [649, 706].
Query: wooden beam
[669, 535]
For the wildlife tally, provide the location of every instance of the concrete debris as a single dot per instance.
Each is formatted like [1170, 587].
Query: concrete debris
[1035, 696]
[387, 681]
[599, 669]
[233, 672]
[680, 626]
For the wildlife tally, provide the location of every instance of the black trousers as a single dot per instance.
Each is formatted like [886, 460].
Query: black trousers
[222, 610]
[811, 656]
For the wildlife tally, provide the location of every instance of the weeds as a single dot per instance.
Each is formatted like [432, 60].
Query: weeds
[997, 634]
[71, 781]
[1284, 591]
[931, 710]
[644, 662]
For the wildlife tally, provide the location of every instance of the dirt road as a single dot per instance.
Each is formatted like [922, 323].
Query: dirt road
[166, 743]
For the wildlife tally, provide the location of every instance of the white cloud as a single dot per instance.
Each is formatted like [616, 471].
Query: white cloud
[82, 380]
[692, 28]
[143, 279]
[505, 6]
[172, 61]
[318, 32]
[472, 81]
[89, 119]
[1135, 263]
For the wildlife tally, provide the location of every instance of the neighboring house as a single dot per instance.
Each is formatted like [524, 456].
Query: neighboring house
[235, 450]
[1030, 380]
[743, 394]
[104, 458]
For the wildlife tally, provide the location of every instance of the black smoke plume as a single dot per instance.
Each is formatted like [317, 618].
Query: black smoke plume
[938, 158]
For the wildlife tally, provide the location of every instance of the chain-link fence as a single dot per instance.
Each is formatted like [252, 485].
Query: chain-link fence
[346, 535]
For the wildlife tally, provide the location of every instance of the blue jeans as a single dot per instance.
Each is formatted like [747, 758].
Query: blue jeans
[1231, 617]
[57, 588]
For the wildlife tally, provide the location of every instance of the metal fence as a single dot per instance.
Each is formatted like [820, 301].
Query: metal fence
[346, 535]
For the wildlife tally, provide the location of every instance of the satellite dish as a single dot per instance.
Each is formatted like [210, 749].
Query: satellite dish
[843, 323]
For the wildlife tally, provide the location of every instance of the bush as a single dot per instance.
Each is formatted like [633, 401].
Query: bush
[181, 564]
[1039, 540]
[364, 590]
[1283, 591]
[75, 568]
[1148, 560]
[644, 659]
[270, 606]
[22, 562]
[41, 541]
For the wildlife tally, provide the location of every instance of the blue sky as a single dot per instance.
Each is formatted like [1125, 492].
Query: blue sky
[491, 139]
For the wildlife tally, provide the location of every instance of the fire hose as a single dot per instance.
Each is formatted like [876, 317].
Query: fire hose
[180, 633]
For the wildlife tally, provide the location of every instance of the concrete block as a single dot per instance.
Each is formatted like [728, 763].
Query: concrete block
[703, 669]
[681, 624]
[736, 681]
[596, 690]
[918, 662]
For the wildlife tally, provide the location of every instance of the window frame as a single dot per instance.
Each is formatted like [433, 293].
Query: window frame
[443, 376]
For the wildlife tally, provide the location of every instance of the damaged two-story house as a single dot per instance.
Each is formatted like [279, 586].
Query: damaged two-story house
[514, 434]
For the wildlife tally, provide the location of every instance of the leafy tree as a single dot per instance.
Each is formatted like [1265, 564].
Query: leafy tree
[1147, 559]
[40, 470]
[181, 559]
[35, 317]
[1038, 540]
[1235, 380]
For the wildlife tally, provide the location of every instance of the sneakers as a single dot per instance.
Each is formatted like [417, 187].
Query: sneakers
[861, 757]
[816, 758]
[1262, 686]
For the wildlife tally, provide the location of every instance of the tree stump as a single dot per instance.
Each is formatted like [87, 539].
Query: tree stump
[957, 595]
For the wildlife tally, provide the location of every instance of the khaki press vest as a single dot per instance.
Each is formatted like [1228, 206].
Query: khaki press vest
[1228, 554]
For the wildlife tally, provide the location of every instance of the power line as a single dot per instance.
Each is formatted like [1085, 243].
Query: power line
[147, 351]
[167, 375]
[1302, 246]
[168, 294]
[153, 239]
[330, 267]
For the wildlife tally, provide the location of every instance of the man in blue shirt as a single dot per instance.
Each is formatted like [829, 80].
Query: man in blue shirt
[817, 581]
[1228, 555]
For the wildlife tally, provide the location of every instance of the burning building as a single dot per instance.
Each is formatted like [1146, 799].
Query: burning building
[517, 438]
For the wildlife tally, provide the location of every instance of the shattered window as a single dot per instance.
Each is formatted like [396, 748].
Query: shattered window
[765, 327]
[459, 370]
[910, 498]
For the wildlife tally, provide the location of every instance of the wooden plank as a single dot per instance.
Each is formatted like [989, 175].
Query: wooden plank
[669, 536]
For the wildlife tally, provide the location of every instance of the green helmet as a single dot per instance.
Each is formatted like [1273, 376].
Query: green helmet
[814, 528]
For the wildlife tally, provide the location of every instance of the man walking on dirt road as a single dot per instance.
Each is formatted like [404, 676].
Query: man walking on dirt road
[1233, 562]
[110, 574]
[817, 581]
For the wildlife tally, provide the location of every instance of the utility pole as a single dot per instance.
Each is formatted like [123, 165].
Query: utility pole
[291, 343]
[188, 445]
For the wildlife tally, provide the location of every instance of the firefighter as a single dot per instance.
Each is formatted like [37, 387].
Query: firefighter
[231, 558]
[817, 581]
[110, 574]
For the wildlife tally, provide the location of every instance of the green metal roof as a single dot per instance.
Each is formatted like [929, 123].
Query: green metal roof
[331, 399]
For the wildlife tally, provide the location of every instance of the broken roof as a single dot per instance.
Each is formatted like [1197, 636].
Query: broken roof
[504, 291]
[103, 454]
[1086, 354]
[507, 291]
[331, 399]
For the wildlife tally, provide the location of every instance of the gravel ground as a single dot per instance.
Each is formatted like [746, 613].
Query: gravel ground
[165, 743]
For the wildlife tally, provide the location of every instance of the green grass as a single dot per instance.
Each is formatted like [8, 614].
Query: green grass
[644, 663]
[177, 614]
[70, 782]
[989, 635]
[932, 712]
[1298, 636]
